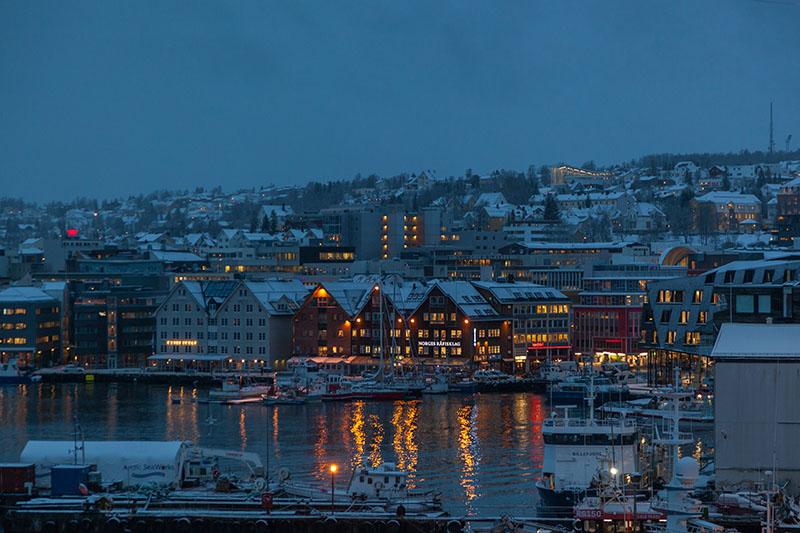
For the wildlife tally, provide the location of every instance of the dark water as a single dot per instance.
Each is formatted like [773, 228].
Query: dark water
[484, 452]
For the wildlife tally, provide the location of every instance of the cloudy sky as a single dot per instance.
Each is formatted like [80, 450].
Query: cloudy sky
[111, 98]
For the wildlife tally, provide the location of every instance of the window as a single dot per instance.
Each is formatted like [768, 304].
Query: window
[768, 275]
[697, 297]
[748, 275]
[666, 314]
[670, 337]
[684, 317]
[692, 337]
[764, 304]
[729, 276]
[702, 317]
[163, 321]
[744, 303]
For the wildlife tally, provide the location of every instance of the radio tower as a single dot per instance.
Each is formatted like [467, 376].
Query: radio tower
[771, 129]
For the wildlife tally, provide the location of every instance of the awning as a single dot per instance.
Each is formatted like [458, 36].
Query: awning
[188, 357]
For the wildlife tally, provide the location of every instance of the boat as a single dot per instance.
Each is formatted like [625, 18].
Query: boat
[575, 450]
[10, 374]
[691, 410]
[492, 376]
[612, 509]
[282, 398]
[385, 485]
[576, 391]
[237, 388]
[436, 384]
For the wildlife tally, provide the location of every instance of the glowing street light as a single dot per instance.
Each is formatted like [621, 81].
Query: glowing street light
[333, 476]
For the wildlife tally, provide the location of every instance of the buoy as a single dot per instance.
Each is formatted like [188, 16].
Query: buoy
[318, 527]
[454, 526]
[392, 526]
[72, 526]
[577, 525]
[158, 526]
[331, 525]
[113, 524]
[50, 527]
[198, 525]
[284, 474]
[182, 524]
[365, 527]
[262, 526]
[87, 524]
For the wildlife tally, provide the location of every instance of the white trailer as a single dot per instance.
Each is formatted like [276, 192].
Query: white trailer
[132, 462]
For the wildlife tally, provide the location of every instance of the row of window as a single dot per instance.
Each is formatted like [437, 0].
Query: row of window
[187, 321]
[683, 316]
[676, 296]
[541, 337]
[689, 338]
[262, 350]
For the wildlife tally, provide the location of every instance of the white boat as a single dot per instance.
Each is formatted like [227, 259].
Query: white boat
[236, 388]
[10, 374]
[436, 384]
[492, 376]
[385, 485]
[574, 451]
[691, 409]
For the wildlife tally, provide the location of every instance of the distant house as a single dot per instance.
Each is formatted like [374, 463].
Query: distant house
[281, 213]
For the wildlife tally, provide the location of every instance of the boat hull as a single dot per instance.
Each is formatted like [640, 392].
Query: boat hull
[560, 503]
[15, 380]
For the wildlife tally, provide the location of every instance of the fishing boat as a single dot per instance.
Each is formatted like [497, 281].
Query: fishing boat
[385, 485]
[576, 391]
[575, 450]
[691, 409]
[10, 374]
[436, 384]
[238, 388]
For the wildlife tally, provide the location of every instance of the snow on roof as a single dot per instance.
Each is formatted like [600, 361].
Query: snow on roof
[724, 197]
[350, 295]
[175, 256]
[270, 293]
[519, 291]
[467, 298]
[280, 210]
[757, 341]
[490, 198]
[25, 294]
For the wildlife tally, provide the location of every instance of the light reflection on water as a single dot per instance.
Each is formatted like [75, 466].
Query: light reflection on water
[483, 452]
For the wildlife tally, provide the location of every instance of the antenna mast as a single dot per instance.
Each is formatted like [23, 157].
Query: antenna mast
[771, 129]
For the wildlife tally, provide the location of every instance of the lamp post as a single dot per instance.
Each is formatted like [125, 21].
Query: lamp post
[333, 476]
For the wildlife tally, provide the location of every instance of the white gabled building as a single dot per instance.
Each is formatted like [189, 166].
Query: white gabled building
[227, 325]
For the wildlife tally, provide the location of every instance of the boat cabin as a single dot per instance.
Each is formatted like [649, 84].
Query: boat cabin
[384, 481]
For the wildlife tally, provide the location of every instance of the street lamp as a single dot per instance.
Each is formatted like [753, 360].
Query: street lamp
[333, 476]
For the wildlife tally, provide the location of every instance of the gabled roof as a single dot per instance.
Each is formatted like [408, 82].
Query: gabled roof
[467, 298]
[270, 293]
[350, 295]
[508, 293]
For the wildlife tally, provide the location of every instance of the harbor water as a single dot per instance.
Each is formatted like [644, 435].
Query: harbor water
[483, 451]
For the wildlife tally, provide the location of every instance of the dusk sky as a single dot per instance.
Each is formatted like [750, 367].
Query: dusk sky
[111, 98]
